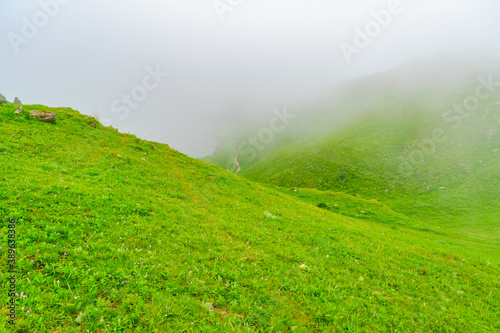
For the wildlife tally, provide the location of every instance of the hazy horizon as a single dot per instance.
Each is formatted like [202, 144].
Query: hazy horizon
[182, 73]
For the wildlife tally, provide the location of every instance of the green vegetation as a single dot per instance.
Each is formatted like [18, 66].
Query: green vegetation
[454, 186]
[410, 148]
[118, 234]
[349, 205]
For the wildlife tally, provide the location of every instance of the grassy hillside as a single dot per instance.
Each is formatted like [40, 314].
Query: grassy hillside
[397, 137]
[386, 160]
[118, 234]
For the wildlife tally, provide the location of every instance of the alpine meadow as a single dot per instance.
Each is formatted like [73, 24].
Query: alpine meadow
[250, 166]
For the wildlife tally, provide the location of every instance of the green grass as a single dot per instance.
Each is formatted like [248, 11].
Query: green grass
[349, 205]
[399, 150]
[118, 234]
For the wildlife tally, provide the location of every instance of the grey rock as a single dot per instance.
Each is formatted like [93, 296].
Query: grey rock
[46, 117]
[19, 111]
[17, 101]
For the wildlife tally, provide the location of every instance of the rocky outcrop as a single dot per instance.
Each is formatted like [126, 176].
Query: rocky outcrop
[17, 101]
[19, 111]
[46, 117]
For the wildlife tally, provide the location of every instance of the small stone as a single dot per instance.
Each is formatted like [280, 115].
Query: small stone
[19, 111]
[46, 117]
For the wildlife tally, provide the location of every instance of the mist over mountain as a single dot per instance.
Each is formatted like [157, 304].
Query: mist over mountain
[215, 63]
[250, 166]
[427, 131]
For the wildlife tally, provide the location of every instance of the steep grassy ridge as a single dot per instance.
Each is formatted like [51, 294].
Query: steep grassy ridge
[118, 234]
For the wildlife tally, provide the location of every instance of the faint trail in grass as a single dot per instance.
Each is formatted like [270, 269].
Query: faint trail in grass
[236, 160]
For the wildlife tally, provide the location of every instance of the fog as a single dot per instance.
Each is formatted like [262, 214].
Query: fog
[184, 72]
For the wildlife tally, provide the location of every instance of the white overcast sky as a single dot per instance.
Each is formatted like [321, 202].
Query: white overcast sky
[88, 54]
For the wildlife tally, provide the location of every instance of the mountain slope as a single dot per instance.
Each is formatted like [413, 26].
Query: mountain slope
[116, 233]
[399, 137]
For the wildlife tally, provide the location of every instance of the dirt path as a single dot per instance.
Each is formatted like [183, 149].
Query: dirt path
[236, 160]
